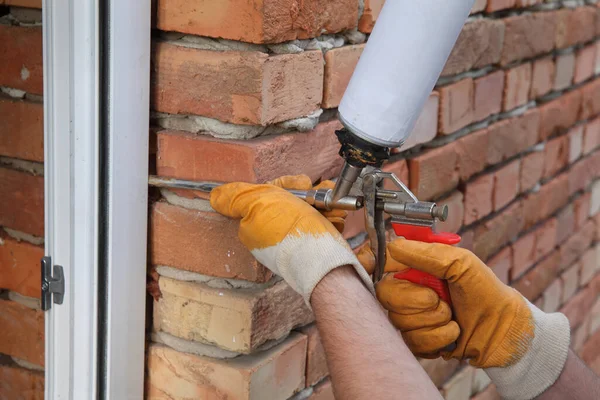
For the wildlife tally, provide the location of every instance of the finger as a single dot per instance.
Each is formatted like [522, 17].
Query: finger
[325, 185]
[431, 340]
[338, 223]
[403, 297]
[335, 213]
[293, 182]
[439, 316]
[367, 259]
[229, 199]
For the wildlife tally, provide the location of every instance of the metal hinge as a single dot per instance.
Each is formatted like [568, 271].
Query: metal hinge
[53, 283]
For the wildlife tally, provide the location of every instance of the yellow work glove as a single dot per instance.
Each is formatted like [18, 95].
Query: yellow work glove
[285, 234]
[522, 349]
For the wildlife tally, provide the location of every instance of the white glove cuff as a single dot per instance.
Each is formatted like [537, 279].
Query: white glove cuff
[543, 363]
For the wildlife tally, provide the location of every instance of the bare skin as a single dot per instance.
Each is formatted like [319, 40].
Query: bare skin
[577, 381]
[367, 357]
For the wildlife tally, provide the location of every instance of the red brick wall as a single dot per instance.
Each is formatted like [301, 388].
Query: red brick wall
[21, 200]
[510, 139]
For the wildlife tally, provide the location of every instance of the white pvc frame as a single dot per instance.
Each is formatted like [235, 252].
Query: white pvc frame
[96, 157]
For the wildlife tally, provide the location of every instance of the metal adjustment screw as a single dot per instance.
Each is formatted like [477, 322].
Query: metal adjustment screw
[53, 283]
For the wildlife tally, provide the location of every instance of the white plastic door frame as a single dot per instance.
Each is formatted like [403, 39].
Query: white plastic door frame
[96, 101]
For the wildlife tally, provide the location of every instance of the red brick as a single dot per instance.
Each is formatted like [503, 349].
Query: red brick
[252, 88]
[590, 352]
[579, 336]
[371, 11]
[549, 199]
[570, 281]
[560, 114]
[22, 199]
[532, 168]
[575, 26]
[479, 44]
[467, 240]
[583, 171]
[576, 245]
[495, 233]
[434, 172]
[198, 157]
[21, 383]
[178, 238]
[566, 222]
[597, 64]
[591, 137]
[577, 308]
[565, 70]
[596, 220]
[590, 265]
[556, 155]
[455, 213]
[456, 106]
[322, 391]
[496, 5]
[398, 168]
[575, 143]
[21, 50]
[22, 129]
[593, 201]
[266, 22]
[524, 255]
[426, 127]
[479, 198]
[276, 373]
[339, 66]
[540, 277]
[552, 296]
[316, 364]
[510, 137]
[582, 209]
[586, 63]
[490, 393]
[489, 91]
[518, 84]
[22, 333]
[20, 266]
[542, 79]
[545, 238]
[22, 3]
[537, 30]
[472, 153]
[590, 99]
[506, 184]
[501, 264]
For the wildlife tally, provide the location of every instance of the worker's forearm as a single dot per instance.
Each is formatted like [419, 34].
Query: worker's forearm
[575, 382]
[366, 356]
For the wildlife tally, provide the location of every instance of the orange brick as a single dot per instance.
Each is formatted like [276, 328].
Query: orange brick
[586, 63]
[591, 137]
[565, 70]
[456, 106]
[21, 383]
[576, 245]
[577, 308]
[496, 5]
[253, 88]
[269, 21]
[20, 266]
[524, 255]
[198, 157]
[398, 168]
[536, 29]
[472, 153]
[21, 50]
[426, 127]
[489, 90]
[552, 296]
[542, 79]
[545, 238]
[455, 213]
[479, 198]
[371, 11]
[179, 239]
[566, 221]
[532, 168]
[590, 99]
[322, 391]
[556, 155]
[479, 44]
[22, 129]
[583, 172]
[582, 209]
[22, 199]
[549, 199]
[517, 87]
[497, 232]
[539, 278]
[510, 137]
[316, 364]
[434, 172]
[575, 143]
[506, 184]
[339, 66]
[22, 333]
[501, 264]
[570, 282]
[560, 114]
[575, 26]
[276, 373]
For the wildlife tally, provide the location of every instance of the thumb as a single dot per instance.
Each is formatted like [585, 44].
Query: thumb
[441, 260]
[367, 259]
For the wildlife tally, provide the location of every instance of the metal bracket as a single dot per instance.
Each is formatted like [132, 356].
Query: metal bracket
[53, 283]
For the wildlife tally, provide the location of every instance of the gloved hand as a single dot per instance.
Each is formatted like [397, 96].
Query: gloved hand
[285, 234]
[522, 349]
